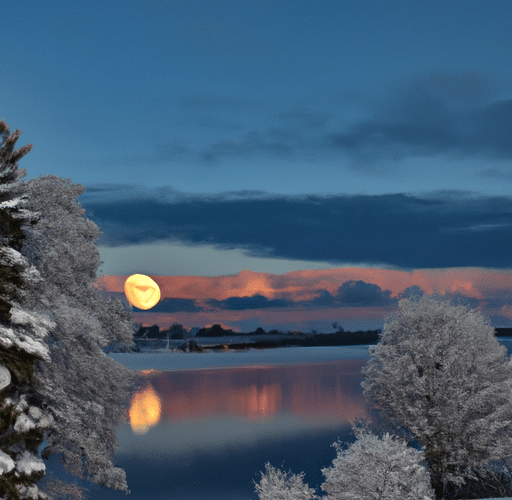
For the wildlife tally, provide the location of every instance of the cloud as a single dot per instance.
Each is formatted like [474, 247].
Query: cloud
[438, 230]
[324, 299]
[456, 114]
[242, 303]
[497, 174]
[354, 293]
[316, 298]
[275, 143]
[358, 293]
[175, 305]
[412, 292]
[163, 152]
[438, 113]
[296, 131]
[281, 133]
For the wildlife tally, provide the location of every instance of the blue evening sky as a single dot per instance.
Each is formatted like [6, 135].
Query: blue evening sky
[187, 119]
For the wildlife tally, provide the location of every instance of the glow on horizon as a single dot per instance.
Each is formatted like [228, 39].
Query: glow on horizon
[302, 285]
[490, 288]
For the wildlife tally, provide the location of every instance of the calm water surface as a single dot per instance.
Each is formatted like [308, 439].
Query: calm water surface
[205, 434]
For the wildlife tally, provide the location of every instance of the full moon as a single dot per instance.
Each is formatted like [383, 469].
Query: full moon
[141, 291]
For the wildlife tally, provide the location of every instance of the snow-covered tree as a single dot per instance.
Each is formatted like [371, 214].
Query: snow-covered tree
[439, 372]
[278, 485]
[58, 389]
[377, 468]
[23, 418]
[84, 391]
[13, 220]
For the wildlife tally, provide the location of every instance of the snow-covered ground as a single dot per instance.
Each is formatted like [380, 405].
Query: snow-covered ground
[204, 360]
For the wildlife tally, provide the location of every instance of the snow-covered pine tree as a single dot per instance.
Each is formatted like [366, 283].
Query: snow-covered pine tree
[85, 391]
[278, 485]
[439, 372]
[13, 218]
[377, 468]
[22, 338]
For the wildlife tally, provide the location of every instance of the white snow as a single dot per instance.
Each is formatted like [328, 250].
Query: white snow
[5, 377]
[35, 412]
[34, 347]
[13, 256]
[12, 203]
[30, 417]
[31, 491]
[39, 323]
[6, 336]
[6, 463]
[10, 337]
[24, 423]
[29, 463]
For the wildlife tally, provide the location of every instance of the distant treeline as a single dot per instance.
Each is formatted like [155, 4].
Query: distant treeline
[281, 339]
[177, 331]
[503, 332]
[316, 339]
[273, 338]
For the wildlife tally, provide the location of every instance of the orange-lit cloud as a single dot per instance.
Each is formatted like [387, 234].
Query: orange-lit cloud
[298, 288]
[300, 285]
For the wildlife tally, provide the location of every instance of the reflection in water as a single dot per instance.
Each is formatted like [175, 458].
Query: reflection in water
[205, 434]
[314, 391]
[145, 410]
[260, 402]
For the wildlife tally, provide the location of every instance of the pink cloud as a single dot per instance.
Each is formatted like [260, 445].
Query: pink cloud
[299, 287]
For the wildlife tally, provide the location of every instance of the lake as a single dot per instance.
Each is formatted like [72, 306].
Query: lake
[204, 432]
[202, 426]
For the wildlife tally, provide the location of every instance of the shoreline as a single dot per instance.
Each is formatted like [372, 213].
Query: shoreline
[176, 361]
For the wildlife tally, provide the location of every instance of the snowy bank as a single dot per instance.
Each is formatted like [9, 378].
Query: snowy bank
[229, 359]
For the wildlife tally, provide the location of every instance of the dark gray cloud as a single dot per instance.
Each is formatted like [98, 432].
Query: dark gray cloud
[459, 114]
[163, 152]
[497, 297]
[500, 321]
[354, 294]
[296, 131]
[358, 293]
[487, 132]
[242, 303]
[350, 294]
[406, 231]
[272, 142]
[176, 305]
[497, 174]
[436, 113]
[412, 292]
